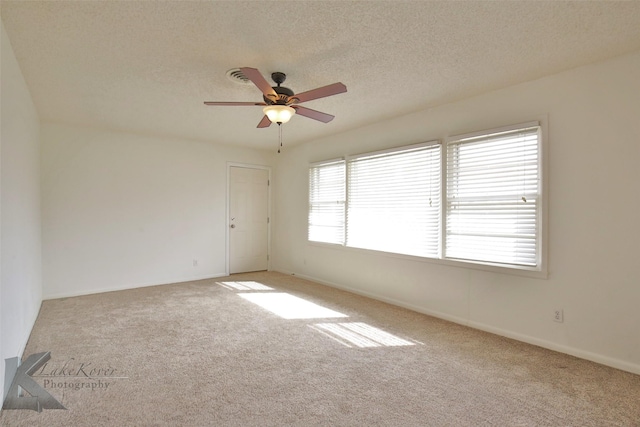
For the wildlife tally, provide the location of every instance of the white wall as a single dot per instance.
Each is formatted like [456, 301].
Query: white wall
[20, 248]
[593, 174]
[123, 210]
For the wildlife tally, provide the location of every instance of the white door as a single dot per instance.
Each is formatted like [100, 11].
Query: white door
[248, 219]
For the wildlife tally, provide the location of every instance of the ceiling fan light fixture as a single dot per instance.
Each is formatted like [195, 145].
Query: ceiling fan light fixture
[279, 113]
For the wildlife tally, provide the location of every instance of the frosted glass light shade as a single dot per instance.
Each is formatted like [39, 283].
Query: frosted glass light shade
[279, 113]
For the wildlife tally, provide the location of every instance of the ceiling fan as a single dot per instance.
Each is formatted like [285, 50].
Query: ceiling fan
[281, 103]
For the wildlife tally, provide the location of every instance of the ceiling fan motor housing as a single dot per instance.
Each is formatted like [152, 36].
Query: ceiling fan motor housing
[284, 94]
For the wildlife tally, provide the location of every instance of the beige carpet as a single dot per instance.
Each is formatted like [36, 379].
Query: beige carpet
[200, 354]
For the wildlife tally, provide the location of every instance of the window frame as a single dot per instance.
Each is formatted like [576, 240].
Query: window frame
[344, 202]
[457, 139]
[391, 152]
[540, 271]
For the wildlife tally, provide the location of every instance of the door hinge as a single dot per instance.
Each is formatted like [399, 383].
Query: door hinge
[267, 257]
[268, 182]
[268, 220]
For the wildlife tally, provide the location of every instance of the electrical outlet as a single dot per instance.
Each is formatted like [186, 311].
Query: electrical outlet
[558, 315]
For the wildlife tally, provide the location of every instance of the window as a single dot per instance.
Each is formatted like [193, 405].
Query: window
[326, 202]
[394, 201]
[484, 206]
[493, 195]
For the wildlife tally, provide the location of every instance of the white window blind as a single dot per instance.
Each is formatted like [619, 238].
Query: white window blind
[394, 201]
[326, 202]
[493, 198]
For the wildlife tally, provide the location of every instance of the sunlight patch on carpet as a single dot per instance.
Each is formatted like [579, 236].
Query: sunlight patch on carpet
[288, 306]
[245, 286]
[359, 334]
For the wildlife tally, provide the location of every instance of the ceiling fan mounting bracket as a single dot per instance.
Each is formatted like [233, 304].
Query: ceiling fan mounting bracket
[278, 77]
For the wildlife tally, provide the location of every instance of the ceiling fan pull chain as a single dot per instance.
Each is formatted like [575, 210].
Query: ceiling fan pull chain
[280, 136]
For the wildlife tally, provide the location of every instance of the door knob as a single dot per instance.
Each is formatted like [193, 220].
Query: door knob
[233, 226]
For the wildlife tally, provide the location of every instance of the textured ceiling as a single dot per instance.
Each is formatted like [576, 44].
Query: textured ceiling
[147, 67]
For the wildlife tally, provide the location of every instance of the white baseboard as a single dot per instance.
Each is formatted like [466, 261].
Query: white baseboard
[582, 354]
[32, 323]
[136, 286]
[388, 300]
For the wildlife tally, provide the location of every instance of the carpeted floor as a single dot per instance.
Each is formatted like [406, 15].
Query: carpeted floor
[224, 353]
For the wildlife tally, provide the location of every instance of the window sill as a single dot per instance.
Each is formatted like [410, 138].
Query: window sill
[523, 271]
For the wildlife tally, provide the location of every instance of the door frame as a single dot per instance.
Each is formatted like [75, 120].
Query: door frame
[228, 215]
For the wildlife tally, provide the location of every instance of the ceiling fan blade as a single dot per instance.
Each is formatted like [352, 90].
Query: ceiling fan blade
[258, 80]
[320, 92]
[313, 114]
[234, 104]
[264, 123]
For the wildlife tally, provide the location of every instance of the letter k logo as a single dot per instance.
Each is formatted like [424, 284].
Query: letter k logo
[39, 397]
